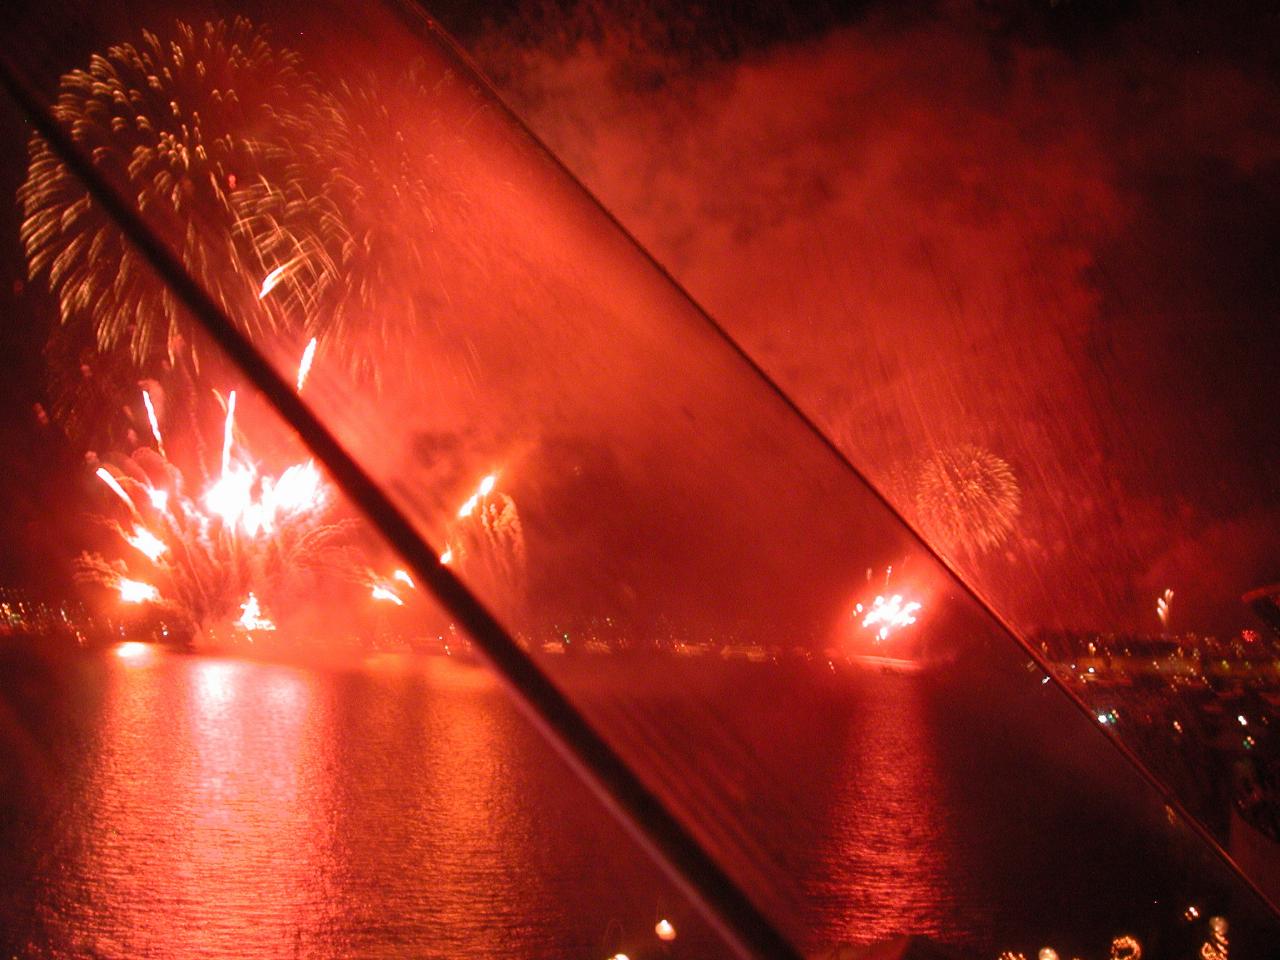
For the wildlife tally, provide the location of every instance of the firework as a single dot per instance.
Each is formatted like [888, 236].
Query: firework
[175, 121]
[228, 432]
[304, 365]
[153, 420]
[403, 577]
[967, 499]
[382, 592]
[251, 617]
[210, 557]
[486, 543]
[146, 542]
[349, 233]
[887, 615]
[113, 484]
[135, 591]
[1164, 604]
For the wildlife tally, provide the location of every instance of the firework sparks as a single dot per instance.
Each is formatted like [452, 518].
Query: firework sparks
[304, 365]
[146, 543]
[227, 430]
[272, 279]
[487, 543]
[966, 498]
[886, 616]
[403, 577]
[382, 592]
[299, 489]
[251, 617]
[1164, 604]
[159, 498]
[469, 505]
[177, 117]
[154, 421]
[105, 476]
[135, 591]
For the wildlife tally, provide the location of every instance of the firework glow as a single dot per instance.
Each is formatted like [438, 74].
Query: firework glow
[966, 498]
[1164, 604]
[304, 365]
[403, 577]
[135, 591]
[486, 542]
[888, 615]
[154, 421]
[105, 476]
[223, 554]
[228, 431]
[251, 617]
[146, 543]
[380, 591]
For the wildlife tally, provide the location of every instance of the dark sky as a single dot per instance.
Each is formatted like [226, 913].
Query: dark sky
[1047, 230]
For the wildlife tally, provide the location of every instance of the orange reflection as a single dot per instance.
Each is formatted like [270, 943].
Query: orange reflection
[889, 824]
[206, 833]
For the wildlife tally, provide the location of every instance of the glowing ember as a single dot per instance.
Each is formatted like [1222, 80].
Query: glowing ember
[1163, 603]
[272, 279]
[132, 650]
[889, 615]
[146, 542]
[251, 617]
[304, 366]
[135, 591]
[485, 488]
[447, 557]
[105, 476]
[227, 430]
[665, 930]
[159, 498]
[380, 592]
[403, 577]
[155, 423]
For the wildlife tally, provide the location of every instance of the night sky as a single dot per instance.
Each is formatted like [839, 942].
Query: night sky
[1047, 230]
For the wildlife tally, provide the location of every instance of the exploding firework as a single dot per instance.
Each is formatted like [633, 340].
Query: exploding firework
[176, 122]
[966, 498]
[351, 234]
[204, 561]
[888, 615]
[486, 545]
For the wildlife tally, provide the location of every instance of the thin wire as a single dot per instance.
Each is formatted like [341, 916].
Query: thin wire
[724, 905]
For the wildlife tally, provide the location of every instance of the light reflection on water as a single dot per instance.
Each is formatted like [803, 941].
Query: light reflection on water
[180, 806]
[891, 837]
[231, 808]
